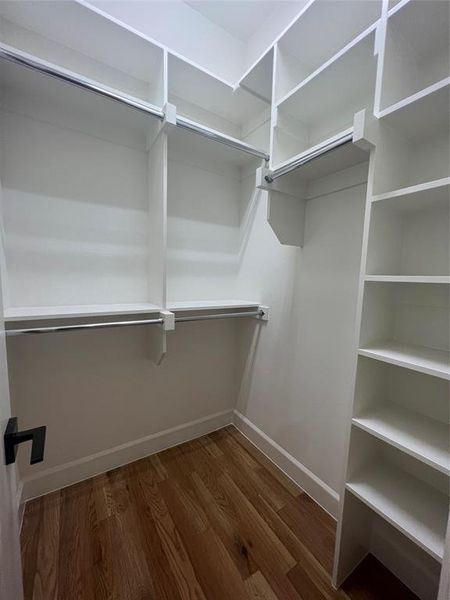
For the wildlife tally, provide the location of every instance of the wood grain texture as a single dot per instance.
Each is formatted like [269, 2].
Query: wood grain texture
[212, 519]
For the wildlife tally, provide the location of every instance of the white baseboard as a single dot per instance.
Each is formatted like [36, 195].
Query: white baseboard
[301, 475]
[66, 474]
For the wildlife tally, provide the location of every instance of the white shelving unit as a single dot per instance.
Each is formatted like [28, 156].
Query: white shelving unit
[398, 457]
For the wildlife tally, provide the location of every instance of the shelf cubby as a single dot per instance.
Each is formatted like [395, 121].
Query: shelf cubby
[321, 31]
[324, 104]
[50, 31]
[407, 323]
[408, 494]
[416, 49]
[409, 235]
[406, 409]
[412, 146]
[210, 190]
[210, 101]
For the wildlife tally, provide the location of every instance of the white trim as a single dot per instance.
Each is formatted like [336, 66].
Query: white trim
[319, 491]
[72, 472]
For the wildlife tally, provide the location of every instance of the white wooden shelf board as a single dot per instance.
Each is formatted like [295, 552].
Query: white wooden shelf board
[193, 305]
[335, 160]
[430, 194]
[34, 313]
[417, 358]
[417, 435]
[416, 509]
[353, 53]
[422, 114]
[436, 279]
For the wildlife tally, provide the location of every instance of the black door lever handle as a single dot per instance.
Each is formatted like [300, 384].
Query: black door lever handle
[13, 437]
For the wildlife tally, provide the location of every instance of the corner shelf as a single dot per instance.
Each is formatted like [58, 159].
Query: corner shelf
[416, 509]
[36, 313]
[417, 358]
[417, 435]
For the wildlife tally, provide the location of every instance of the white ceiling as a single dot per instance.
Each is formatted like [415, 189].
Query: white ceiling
[241, 18]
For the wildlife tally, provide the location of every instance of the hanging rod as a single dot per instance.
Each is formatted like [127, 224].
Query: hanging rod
[220, 137]
[299, 162]
[26, 60]
[80, 326]
[31, 62]
[159, 321]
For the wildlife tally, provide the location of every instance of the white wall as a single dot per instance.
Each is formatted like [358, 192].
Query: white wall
[297, 384]
[98, 390]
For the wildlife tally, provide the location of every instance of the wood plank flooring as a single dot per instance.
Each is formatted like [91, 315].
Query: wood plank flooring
[212, 519]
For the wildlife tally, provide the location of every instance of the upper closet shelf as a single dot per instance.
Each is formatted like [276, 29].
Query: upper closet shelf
[417, 358]
[320, 32]
[106, 52]
[258, 79]
[422, 114]
[214, 103]
[323, 106]
[416, 52]
[424, 196]
[36, 313]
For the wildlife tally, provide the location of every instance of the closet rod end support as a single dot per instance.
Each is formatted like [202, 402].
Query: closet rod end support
[168, 318]
[264, 313]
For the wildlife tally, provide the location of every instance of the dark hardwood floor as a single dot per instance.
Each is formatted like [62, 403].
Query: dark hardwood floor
[210, 519]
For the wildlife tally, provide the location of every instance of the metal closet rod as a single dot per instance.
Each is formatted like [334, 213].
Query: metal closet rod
[295, 164]
[219, 137]
[37, 65]
[112, 324]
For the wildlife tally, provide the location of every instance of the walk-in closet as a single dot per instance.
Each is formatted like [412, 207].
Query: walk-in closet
[224, 268]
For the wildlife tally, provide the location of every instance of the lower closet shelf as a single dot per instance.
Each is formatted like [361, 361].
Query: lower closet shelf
[417, 358]
[35, 313]
[416, 509]
[192, 305]
[419, 436]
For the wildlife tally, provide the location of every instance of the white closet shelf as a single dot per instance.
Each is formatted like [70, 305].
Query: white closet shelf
[422, 114]
[417, 358]
[193, 305]
[416, 509]
[430, 194]
[338, 66]
[436, 279]
[417, 435]
[342, 157]
[304, 51]
[34, 313]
